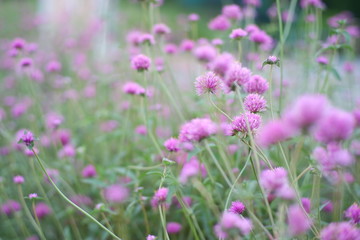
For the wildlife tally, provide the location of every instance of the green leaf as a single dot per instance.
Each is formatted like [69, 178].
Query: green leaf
[335, 73]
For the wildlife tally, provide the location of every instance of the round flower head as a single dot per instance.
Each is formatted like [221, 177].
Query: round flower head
[217, 42]
[237, 74]
[150, 237]
[219, 23]
[53, 66]
[254, 103]
[237, 207]
[208, 83]
[116, 193]
[239, 123]
[232, 223]
[187, 45]
[298, 221]
[197, 129]
[33, 195]
[26, 62]
[306, 203]
[140, 62]
[306, 111]
[42, 210]
[191, 169]
[10, 207]
[335, 125]
[238, 34]
[133, 88]
[353, 213]
[27, 138]
[193, 17]
[221, 63]
[173, 227]
[256, 84]
[275, 182]
[232, 11]
[18, 43]
[172, 145]
[340, 231]
[160, 196]
[147, 38]
[18, 179]
[273, 132]
[322, 60]
[161, 29]
[205, 53]
[89, 171]
[170, 48]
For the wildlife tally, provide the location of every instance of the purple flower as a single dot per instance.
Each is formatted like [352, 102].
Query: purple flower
[116, 193]
[10, 207]
[232, 11]
[255, 103]
[273, 132]
[133, 88]
[170, 48]
[89, 171]
[322, 60]
[237, 74]
[27, 138]
[161, 29]
[18, 179]
[160, 196]
[140, 62]
[340, 231]
[208, 83]
[205, 53]
[33, 195]
[256, 84]
[219, 23]
[232, 223]
[275, 182]
[353, 213]
[197, 129]
[335, 125]
[238, 34]
[18, 43]
[26, 62]
[221, 63]
[298, 221]
[53, 66]
[237, 207]
[147, 38]
[239, 123]
[150, 237]
[172, 145]
[187, 45]
[191, 169]
[193, 17]
[306, 203]
[42, 210]
[173, 227]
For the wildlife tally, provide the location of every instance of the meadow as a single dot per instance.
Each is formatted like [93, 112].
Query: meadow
[138, 121]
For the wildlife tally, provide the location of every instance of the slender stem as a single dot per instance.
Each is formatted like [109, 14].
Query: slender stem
[278, 7]
[70, 202]
[271, 92]
[219, 109]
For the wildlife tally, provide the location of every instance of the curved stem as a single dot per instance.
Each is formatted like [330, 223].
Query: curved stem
[70, 202]
[219, 109]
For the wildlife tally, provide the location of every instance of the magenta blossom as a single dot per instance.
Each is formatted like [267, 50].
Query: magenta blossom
[208, 83]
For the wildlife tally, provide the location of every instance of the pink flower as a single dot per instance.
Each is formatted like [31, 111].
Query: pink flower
[340, 231]
[191, 169]
[26, 62]
[237, 207]
[219, 23]
[306, 203]
[239, 123]
[150, 237]
[133, 88]
[172, 145]
[193, 17]
[187, 45]
[273, 132]
[161, 29]
[221, 63]
[335, 125]
[232, 11]
[256, 84]
[255, 103]
[315, 3]
[53, 120]
[238, 34]
[298, 221]
[33, 195]
[322, 60]
[173, 227]
[89, 171]
[170, 48]
[116, 193]
[217, 42]
[18, 43]
[353, 213]
[232, 223]
[10, 207]
[254, 3]
[27, 138]
[18, 179]
[140, 62]
[147, 38]
[208, 83]
[237, 74]
[205, 53]
[197, 129]
[53, 66]
[141, 130]
[275, 182]
[42, 210]
[160, 196]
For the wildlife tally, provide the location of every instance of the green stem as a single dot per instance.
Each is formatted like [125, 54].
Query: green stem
[70, 202]
[281, 51]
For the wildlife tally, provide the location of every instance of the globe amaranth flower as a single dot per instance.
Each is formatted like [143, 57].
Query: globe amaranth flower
[33, 195]
[208, 83]
[219, 23]
[322, 60]
[274, 132]
[298, 221]
[238, 34]
[237, 74]
[232, 11]
[18, 179]
[197, 129]
[340, 231]
[140, 62]
[173, 227]
[256, 84]
[221, 63]
[10, 207]
[191, 169]
[160, 196]
[27, 138]
[116, 193]
[275, 183]
[42, 210]
[89, 171]
[255, 103]
[26, 62]
[187, 45]
[172, 144]
[147, 38]
[151, 237]
[217, 42]
[205, 53]
[53, 66]
[240, 122]
[18, 43]
[161, 29]
[231, 223]
[133, 88]
[237, 207]
[353, 213]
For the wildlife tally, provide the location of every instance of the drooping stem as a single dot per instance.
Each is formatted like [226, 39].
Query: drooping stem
[69, 201]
